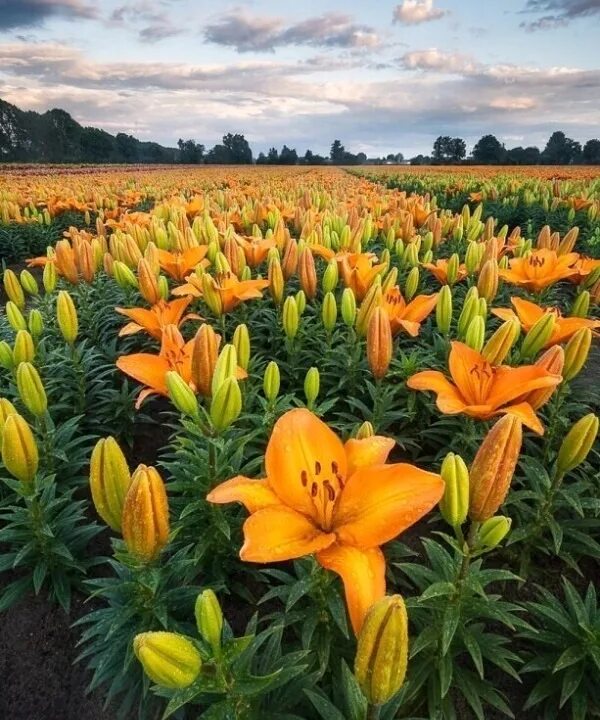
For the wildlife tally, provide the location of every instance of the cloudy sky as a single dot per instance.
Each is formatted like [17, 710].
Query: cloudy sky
[381, 76]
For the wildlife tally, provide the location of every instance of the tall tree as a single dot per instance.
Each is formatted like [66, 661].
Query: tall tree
[523, 156]
[190, 152]
[488, 150]
[337, 152]
[591, 152]
[239, 149]
[561, 150]
[448, 150]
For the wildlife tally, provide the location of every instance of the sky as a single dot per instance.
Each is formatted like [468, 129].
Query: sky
[380, 76]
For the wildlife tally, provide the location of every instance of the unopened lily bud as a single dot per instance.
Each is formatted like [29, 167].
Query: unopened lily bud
[15, 316]
[300, 302]
[371, 300]
[576, 353]
[163, 287]
[553, 361]
[411, 255]
[210, 294]
[49, 277]
[6, 409]
[577, 444]
[348, 307]
[568, 242]
[108, 264]
[66, 317]
[13, 288]
[581, 306]
[19, 450]
[307, 273]
[24, 349]
[148, 283]
[205, 352]
[6, 355]
[31, 389]
[209, 619]
[472, 258]
[329, 312]
[35, 323]
[443, 310]
[330, 277]
[366, 430]
[493, 531]
[390, 280]
[145, 519]
[109, 481]
[290, 317]
[538, 335]
[271, 381]
[412, 283]
[382, 650]
[312, 383]
[276, 281]
[225, 367]
[487, 283]
[124, 276]
[469, 310]
[399, 249]
[241, 342]
[591, 280]
[493, 468]
[169, 660]
[181, 394]
[379, 343]
[226, 404]
[454, 504]
[452, 269]
[475, 335]
[502, 341]
[29, 283]
[289, 264]
[482, 308]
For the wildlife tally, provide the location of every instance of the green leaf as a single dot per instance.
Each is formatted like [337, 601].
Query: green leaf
[450, 623]
[323, 706]
[438, 589]
[354, 700]
[569, 657]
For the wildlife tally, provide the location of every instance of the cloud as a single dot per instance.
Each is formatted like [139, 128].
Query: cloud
[414, 12]
[558, 13]
[254, 33]
[157, 25]
[27, 13]
[439, 61]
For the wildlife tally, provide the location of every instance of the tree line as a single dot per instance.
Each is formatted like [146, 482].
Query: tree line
[55, 137]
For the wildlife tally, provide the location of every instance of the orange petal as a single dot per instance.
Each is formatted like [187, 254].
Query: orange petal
[510, 383]
[379, 502]
[279, 533]
[526, 415]
[301, 450]
[253, 494]
[439, 384]
[367, 451]
[504, 313]
[528, 312]
[150, 370]
[419, 308]
[130, 329]
[363, 575]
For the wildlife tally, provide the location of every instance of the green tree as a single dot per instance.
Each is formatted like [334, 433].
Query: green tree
[591, 152]
[561, 150]
[488, 150]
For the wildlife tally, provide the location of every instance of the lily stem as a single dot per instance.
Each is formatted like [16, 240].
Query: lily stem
[468, 553]
[373, 712]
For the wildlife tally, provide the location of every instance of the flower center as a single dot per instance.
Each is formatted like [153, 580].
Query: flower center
[324, 486]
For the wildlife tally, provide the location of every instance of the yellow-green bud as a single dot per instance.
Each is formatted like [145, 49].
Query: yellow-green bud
[469, 310]
[389, 280]
[109, 481]
[452, 270]
[428, 256]
[475, 335]
[330, 276]
[6, 355]
[15, 316]
[29, 283]
[49, 277]
[371, 300]
[411, 255]
[399, 249]
[24, 349]
[482, 307]
[454, 504]
[500, 344]
[246, 273]
[226, 404]
[31, 389]
[312, 383]
[35, 323]
[181, 394]
[443, 310]
[226, 367]
[301, 302]
[123, 275]
[271, 381]
[591, 279]
[163, 287]
[241, 342]
[382, 650]
[290, 317]
[538, 335]
[169, 660]
[13, 288]
[19, 450]
[66, 316]
[348, 307]
[576, 353]
[209, 619]
[210, 295]
[6, 409]
[581, 306]
[472, 258]
[412, 283]
[493, 531]
[577, 444]
[329, 311]
[366, 430]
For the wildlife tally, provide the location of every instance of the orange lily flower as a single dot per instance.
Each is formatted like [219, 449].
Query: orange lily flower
[340, 501]
[540, 269]
[440, 271]
[529, 313]
[358, 272]
[481, 390]
[584, 267]
[154, 320]
[231, 290]
[178, 265]
[407, 316]
[151, 370]
[255, 249]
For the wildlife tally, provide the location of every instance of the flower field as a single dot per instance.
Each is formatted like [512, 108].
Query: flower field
[299, 443]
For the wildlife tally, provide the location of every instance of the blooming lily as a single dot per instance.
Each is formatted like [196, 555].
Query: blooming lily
[255, 249]
[407, 316]
[339, 501]
[231, 291]
[483, 391]
[529, 313]
[154, 320]
[440, 270]
[358, 272]
[178, 265]
[539, 269]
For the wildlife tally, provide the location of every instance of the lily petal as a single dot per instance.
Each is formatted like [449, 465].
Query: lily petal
[526, 415]
[510, 383]
[367, 451]
[253, 494]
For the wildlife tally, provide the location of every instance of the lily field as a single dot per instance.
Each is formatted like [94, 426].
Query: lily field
[293, 443]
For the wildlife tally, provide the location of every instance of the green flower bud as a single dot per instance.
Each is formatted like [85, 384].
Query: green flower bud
[31, 390]
[49, 277]
[124, 276]
[29, 283]
[412, 283]
[6, 355]
[209, 619]
[181, 394]
[24, 349]
[19, 450]
[329, 312]
[577, 444]
[226, 404]
[169, 660]
[443, 310]
[330, 276]
[538, 335]
[452, 271]
[469, 310]
[226, 367]
[35, 323]
[454, 504]
[241, 342]
[348, 307]
[366, 430]
[577, 351]
[301, 302]
[15, 317]
[581, 306]
[475, 335]
[493, 531]
[66, 316]
[271, 381]
[13, 288]
[163, 287]
[290, 317]
[312, 383]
